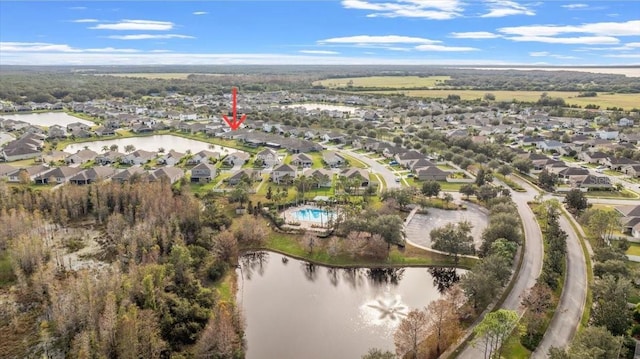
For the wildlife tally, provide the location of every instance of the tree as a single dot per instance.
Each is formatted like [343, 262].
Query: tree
[523, 165]
[468, 190]
[402, 196]
[129, 148]
[601, 224]
[411, 331]
[547, 180]
[610, 297]
[504, 170]
[444, 325]
[480, 177]
[576, 201]
[537, 302]
[375, 353]
[597, 343]
[489, 96]
[494, 329]
[239, 194]
[447, 198]
[454, 239]
[105, 148]
[431, 189]
[113, 148]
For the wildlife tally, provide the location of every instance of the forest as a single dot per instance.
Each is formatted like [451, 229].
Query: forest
[66, 84]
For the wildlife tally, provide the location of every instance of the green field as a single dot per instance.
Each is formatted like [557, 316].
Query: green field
[384, 81]
[634, 249]
[604, 100]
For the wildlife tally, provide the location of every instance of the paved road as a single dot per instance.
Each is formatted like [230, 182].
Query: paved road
[531, 264]
[376, 167]
[567, 317]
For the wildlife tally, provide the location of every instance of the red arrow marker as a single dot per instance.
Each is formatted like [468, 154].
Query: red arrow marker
[234, 123]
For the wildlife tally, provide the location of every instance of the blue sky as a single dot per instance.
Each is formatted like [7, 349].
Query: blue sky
[430, 32]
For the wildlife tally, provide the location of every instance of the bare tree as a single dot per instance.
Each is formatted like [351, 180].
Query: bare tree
[411, 331]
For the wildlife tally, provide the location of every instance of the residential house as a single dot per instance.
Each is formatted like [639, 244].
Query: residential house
[247, 175]
[141, 128]
[203, 156]
[419, 163]
[30, 173]
[25, 147]
[625, 122]
[108, 158]
[359, 174]
[129, 174]
[632, 170]
[203, 173]
[630, 220]
[616, 164]
[570, 172]
[56, 131]
[80, 157]
[283, 174]
[404, 157]
[236, 158]
[77, 126]
[335, 137]
[171, 158]
[323, 178]
[5, 169]
[138, 157]
[169, 174]
[593, 157]
[431, 173]
[267, 157]
[607, 134]
[58, 175]
[301, 160]
[92, 175]
[591, 182]
[104, 131]
[80, 133]
[333, 159]
[550, 145]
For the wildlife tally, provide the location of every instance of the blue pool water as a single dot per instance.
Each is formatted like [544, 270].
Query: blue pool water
[312, 215]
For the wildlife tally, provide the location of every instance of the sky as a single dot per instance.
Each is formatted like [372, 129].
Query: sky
[421, 32]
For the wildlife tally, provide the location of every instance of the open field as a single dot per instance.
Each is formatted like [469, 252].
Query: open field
[604, 100]
[384, 81]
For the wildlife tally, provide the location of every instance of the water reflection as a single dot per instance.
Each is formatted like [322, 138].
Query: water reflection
[444, 277]
[322, 312]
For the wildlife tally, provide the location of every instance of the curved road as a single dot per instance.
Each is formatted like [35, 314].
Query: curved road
[571, 305]
[531, 263]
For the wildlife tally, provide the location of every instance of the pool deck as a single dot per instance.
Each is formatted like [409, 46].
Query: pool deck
[289, 217]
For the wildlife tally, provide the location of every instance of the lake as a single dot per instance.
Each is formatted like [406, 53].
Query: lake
[47, 119]
[151, 143]
[294, 309]
[323, 107]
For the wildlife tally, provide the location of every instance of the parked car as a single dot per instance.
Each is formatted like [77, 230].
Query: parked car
[393, 163]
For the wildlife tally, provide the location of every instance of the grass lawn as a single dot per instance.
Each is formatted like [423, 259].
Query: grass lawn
[446, 167]
[317, 160]
[634, 249]
[6, 273]
[444, 185]
[568, 159]
[612, 173]
[291, 245]
[513, 349]
[625, 193]
[354, 162]
[384, 81]
[225, 286]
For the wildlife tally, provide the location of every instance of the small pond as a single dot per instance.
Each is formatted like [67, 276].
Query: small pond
[151, 143]
[295, 309]
[47, 119]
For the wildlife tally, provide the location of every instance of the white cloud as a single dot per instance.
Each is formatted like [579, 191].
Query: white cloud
[631, 46]
[502, 8]
[474, 35]
[149, 36]
[625, 56]
[434, 10]
[319, 52]
[200, 13]
[581, 40]
[148, 25]
[385, 39]
[43, 47]
[575, 6]
[78, 8]
[444, 48]
[555, 56]
[148, 58]
[85, 20]
[629, 28]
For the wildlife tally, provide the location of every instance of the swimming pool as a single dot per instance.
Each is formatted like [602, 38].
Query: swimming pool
[312, 215]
